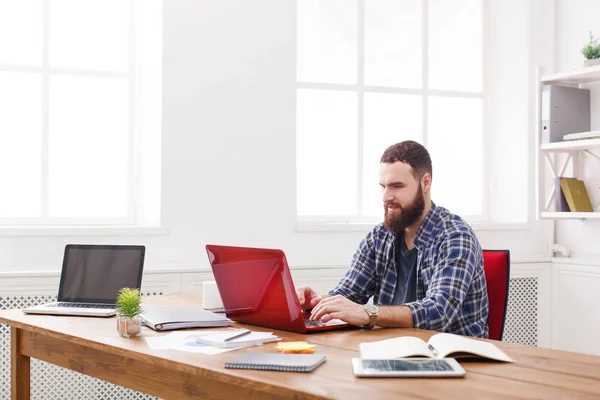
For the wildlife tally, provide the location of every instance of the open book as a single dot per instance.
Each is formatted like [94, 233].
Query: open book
[440, 345]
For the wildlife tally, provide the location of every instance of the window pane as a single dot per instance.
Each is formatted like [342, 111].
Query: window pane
[21, 24]
[393, 43]
[456, 148]
[388, 119]
[455, 47]
[88, 147]
[326, 152]
[20, 144]
[327, 41]
[89, 34]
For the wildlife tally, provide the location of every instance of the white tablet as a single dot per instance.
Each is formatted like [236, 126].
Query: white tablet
[407, 368]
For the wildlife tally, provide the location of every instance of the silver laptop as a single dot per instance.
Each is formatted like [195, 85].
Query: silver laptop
[91, 278]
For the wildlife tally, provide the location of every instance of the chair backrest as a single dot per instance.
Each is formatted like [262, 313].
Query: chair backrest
[496, 265]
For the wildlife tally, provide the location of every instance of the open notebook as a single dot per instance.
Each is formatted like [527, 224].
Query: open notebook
[440, 345]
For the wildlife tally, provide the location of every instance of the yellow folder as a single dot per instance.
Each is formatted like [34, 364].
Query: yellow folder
[576, 195]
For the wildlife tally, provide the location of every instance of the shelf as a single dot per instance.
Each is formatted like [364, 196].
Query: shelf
[570, 215]
[575, 77]
[571, 145]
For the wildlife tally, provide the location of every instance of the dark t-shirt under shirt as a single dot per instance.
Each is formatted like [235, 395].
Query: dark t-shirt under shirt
[406, 268]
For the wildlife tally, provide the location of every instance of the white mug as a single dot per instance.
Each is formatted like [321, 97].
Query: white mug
[211, 299]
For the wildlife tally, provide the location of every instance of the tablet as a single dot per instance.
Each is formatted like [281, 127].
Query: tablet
[407, 368]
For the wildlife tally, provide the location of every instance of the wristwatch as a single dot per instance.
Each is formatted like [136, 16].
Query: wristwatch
[373, 312]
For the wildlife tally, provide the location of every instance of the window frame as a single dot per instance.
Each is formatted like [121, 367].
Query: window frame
[358, 222]
[27, 225]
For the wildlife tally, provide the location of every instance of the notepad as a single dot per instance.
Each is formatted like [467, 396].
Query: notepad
[277, 362]
[296, 348]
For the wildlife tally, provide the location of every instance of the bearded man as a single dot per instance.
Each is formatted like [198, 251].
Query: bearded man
[423, 265]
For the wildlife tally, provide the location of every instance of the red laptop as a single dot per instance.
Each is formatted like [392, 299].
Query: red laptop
[256, 288]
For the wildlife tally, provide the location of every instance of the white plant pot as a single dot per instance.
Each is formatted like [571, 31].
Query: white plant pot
[590, 62]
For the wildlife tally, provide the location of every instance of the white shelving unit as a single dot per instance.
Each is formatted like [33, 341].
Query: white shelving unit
[569, 215]
[547, 153]
[565, 147]
[577, 77]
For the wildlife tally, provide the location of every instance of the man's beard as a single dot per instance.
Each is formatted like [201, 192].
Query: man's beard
[397, 222]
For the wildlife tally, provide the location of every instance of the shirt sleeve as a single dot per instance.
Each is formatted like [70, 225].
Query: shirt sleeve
[450, 282]
[358, 283]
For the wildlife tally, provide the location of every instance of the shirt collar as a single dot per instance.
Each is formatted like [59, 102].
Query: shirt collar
[426, 232]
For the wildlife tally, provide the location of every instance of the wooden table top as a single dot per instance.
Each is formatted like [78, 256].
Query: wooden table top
[536, 372]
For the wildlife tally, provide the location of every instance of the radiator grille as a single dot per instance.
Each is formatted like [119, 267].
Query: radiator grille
[50, 382]
[522, 312]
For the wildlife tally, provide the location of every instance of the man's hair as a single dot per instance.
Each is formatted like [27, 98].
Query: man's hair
[411, 153]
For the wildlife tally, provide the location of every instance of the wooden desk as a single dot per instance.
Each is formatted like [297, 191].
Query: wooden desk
[93, 347]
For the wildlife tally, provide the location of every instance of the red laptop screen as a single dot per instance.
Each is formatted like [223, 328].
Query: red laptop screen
[256, 287]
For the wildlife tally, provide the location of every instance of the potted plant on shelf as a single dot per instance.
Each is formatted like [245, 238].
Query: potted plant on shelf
[129, 308]
[591, 52]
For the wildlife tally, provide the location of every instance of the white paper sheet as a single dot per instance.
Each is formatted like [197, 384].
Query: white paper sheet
[184, 341]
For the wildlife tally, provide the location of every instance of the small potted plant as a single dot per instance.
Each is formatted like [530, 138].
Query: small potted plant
[591, 52]
[129, 308]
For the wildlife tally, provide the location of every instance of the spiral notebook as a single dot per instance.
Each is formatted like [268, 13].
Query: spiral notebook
[277, 362]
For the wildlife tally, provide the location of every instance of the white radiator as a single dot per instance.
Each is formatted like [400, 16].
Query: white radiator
[522, 314]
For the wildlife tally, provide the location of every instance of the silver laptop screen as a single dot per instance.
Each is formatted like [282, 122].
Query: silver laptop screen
[95, 273]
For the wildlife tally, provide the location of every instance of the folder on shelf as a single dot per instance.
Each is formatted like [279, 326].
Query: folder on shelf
[576, 195]
[560, 202]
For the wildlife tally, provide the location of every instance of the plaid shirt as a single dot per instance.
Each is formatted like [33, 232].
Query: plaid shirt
[450, 278]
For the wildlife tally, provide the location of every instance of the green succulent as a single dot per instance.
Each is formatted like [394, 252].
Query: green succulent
[129, 302]
[592, 49]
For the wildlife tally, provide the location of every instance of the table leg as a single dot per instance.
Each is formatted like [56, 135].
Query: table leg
[20, 368]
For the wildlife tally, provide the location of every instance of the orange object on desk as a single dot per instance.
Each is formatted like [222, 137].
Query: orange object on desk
[295, 347]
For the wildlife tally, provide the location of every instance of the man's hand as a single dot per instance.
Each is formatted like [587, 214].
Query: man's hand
[341, 308]
[308, 298]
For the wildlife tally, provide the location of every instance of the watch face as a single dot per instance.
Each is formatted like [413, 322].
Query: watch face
[371, 309]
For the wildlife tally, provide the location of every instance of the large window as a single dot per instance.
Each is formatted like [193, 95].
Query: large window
[372, 73]
[80, 86]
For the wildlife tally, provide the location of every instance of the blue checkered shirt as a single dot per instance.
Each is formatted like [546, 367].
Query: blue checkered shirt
[451, 290]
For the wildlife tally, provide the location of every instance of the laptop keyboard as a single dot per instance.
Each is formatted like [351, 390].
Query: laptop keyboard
[308, 322]
[85, 305]
[319, 322]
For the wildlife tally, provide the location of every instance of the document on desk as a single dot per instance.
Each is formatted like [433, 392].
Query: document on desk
[248, 338]
[184, 341]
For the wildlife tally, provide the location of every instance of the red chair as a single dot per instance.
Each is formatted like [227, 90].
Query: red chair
[496, 266]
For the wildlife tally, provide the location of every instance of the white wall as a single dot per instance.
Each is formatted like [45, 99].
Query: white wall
[229, 148]
[507, 109]
[574, 20]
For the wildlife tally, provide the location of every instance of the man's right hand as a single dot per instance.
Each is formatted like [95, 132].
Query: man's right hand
[308, 298]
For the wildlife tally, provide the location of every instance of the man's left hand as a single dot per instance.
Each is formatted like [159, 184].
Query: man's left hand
[341, 308]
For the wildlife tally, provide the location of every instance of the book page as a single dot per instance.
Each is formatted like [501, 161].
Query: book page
[449, 345]
[399, 347]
